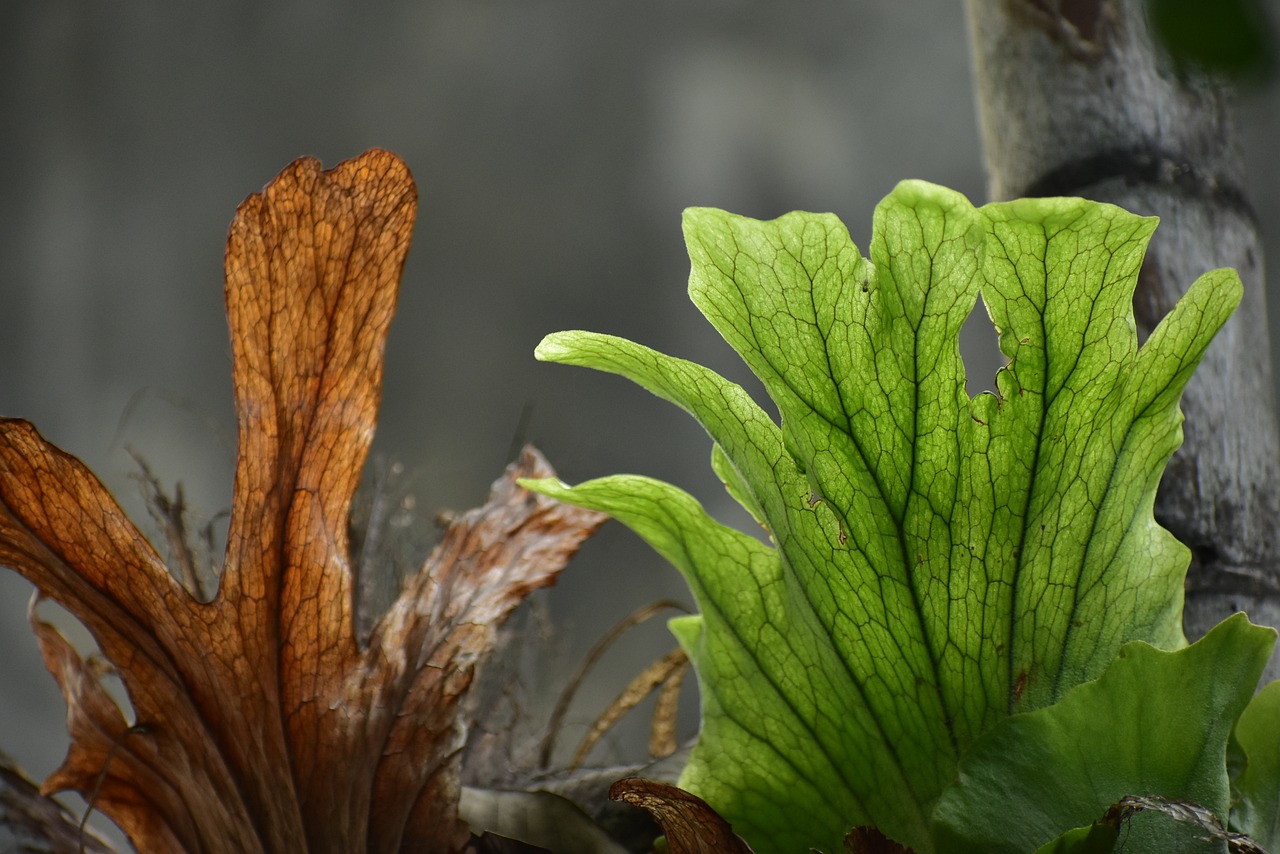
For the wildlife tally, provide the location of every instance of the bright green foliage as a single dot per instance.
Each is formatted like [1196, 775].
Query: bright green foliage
[1154, 723]
[939, 562]
[1257, 736]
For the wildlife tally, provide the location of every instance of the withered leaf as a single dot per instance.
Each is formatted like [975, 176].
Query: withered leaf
[869, 840]
[690, 824]
[261, 723]
[666, 670]
[1184, 812]
[635, 618]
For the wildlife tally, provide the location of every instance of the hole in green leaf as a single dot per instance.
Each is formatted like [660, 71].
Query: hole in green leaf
[980, 350]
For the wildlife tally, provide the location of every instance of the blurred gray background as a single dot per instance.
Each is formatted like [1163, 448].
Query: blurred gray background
[554, 143]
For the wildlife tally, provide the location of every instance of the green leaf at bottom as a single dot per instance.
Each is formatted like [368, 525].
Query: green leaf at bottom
[1155, 723]
[1257, 734]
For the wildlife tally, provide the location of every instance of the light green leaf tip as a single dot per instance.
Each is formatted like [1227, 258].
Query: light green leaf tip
[938, 562]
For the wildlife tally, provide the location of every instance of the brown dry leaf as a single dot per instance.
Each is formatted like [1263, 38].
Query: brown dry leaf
[668, 668]
[637, 617]
[261, 725]
[690, 824]
[662, 729]
[869, 840]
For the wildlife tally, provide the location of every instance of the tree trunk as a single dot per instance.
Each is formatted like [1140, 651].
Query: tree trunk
[1075, 99]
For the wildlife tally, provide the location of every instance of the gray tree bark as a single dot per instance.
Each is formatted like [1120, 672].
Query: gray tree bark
[1074, 98]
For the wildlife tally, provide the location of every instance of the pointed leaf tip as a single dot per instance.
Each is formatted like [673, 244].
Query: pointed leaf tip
[555, 347]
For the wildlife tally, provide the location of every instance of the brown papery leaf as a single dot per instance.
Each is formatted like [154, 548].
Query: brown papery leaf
[260, 722]
[690, 824]
[667, 669]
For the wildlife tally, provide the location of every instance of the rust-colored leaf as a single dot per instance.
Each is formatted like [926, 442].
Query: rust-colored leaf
[260, 722]
[690, 825]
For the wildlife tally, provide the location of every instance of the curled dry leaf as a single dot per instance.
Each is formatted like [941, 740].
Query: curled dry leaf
[260, 722]
[690, 825]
